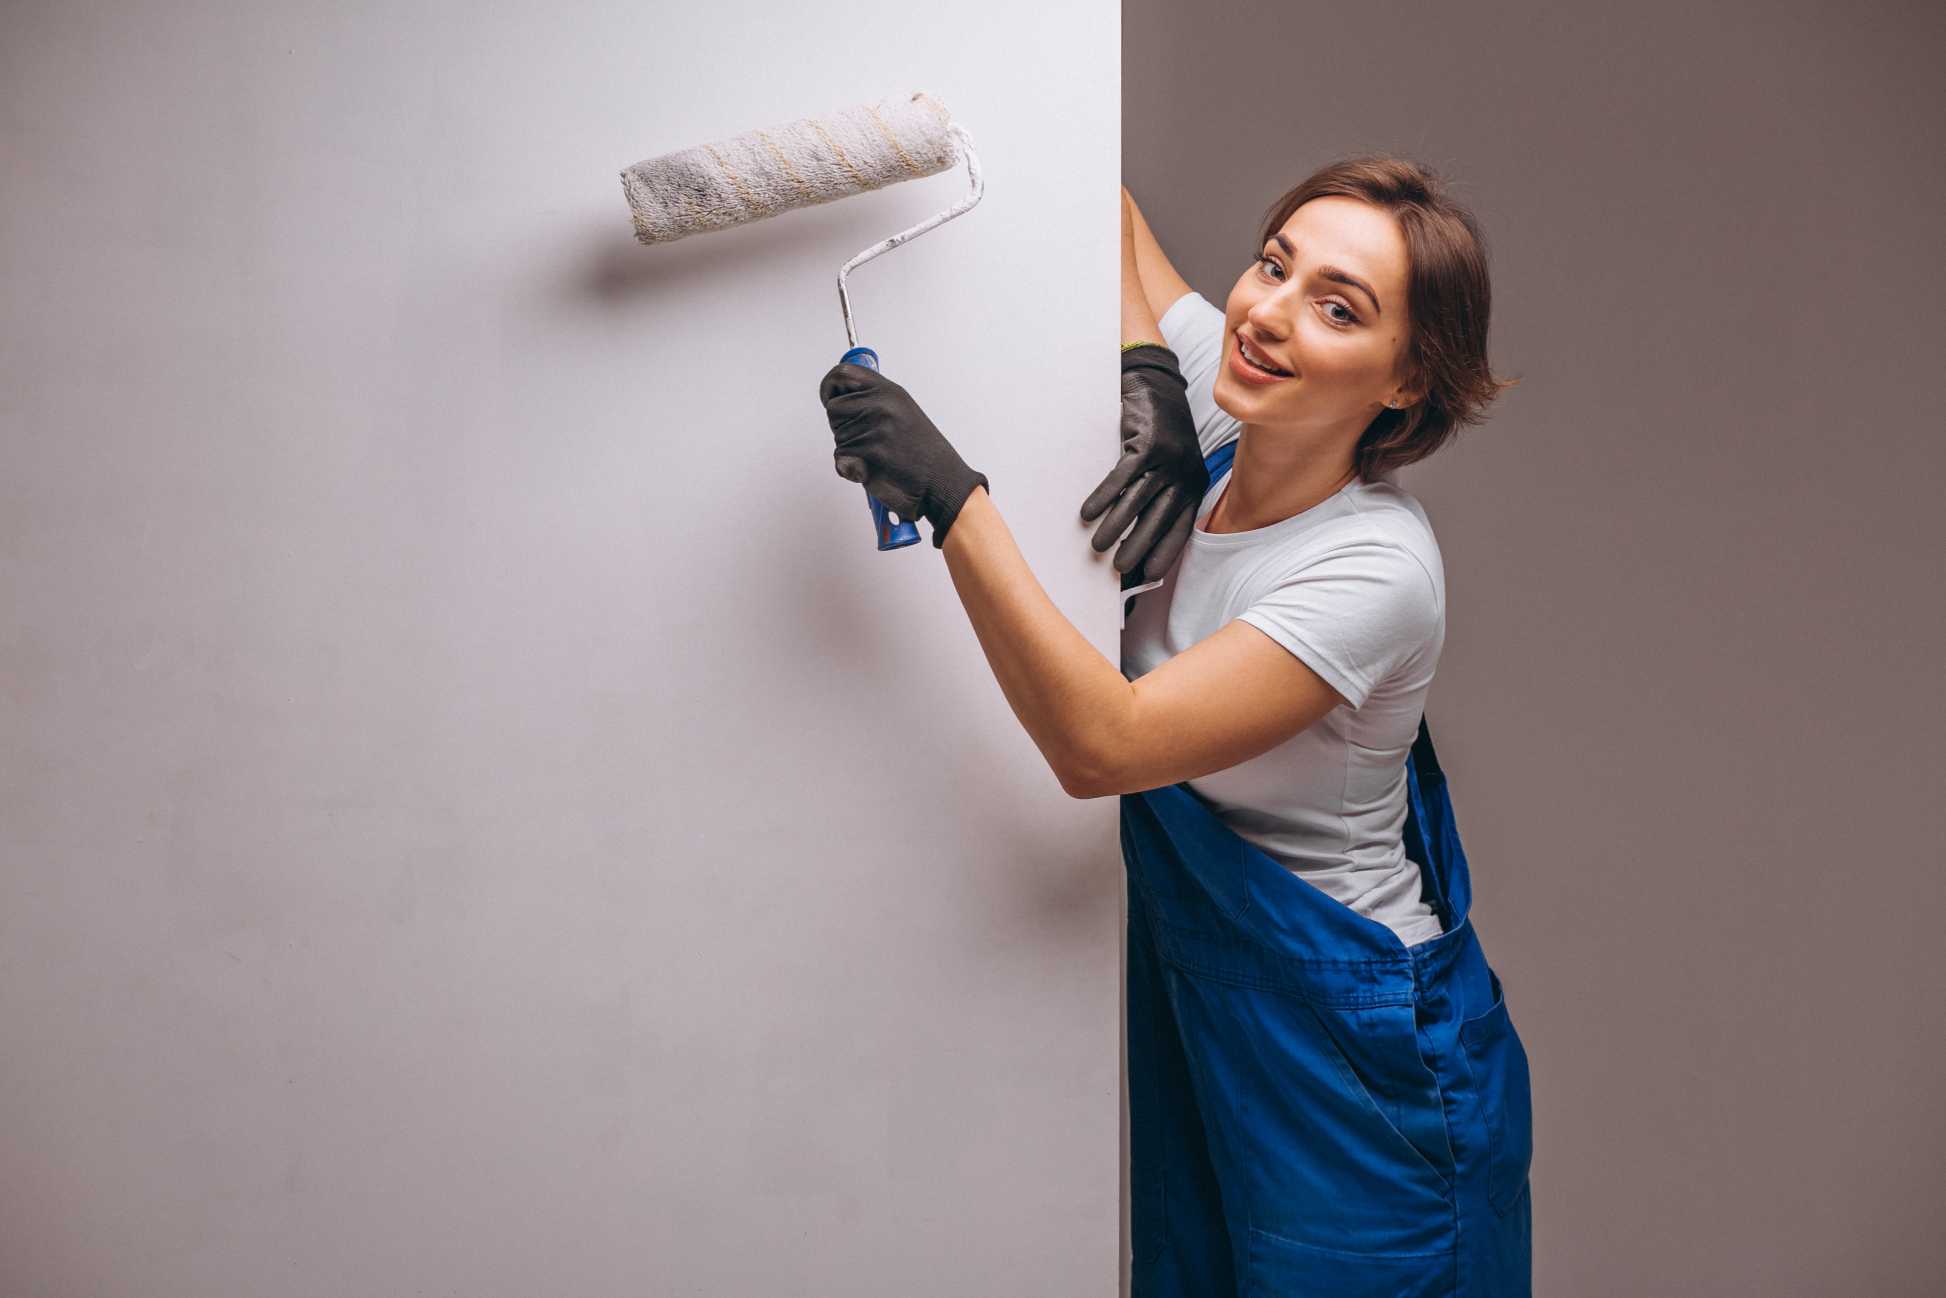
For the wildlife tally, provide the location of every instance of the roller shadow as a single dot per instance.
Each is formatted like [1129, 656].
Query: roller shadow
[621, 270]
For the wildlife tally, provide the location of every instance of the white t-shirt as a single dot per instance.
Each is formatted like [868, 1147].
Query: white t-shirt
[1355, 588]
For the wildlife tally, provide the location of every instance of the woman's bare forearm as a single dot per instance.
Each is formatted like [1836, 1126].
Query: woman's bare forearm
[1161, 283]
[1067, 695]
[1138, 318]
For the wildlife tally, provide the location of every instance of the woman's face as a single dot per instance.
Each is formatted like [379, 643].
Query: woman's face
[1326, 303]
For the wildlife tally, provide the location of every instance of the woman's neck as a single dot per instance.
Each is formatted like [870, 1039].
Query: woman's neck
[1272, 481]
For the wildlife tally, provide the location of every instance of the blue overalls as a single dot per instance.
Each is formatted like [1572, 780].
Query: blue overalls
[1316, 1108]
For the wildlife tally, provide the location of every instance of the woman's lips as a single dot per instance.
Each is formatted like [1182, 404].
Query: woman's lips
[1246, 371]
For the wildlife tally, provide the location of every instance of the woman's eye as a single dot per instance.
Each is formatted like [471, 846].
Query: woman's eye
[1266, 263]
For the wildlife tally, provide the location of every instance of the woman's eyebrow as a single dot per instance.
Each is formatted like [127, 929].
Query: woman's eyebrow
[1334, 274]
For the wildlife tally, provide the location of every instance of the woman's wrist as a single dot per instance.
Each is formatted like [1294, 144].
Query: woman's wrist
[975, 512]
[944, 512]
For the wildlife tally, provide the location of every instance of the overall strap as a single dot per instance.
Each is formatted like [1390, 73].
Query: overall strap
[1424, 828]
[1218, 460]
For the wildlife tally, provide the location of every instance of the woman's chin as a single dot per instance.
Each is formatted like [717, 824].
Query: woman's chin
[1226, 400]
[1238, 400]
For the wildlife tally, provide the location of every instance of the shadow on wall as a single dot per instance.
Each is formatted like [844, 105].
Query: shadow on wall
[621, 272]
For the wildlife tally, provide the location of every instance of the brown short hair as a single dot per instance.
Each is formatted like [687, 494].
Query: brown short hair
[1449, 298]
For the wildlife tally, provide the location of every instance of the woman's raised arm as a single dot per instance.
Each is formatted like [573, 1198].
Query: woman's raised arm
[1161, 285]
[1138, 315]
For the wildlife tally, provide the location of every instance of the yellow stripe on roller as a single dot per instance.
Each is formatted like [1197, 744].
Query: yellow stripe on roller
[749, 199]
[893, 140]
[818, 126]
[785, 163]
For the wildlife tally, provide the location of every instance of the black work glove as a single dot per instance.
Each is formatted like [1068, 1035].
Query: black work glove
[1160, 479]
[886, 442]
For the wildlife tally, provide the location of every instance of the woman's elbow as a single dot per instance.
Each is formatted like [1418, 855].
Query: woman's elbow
[1080, 781]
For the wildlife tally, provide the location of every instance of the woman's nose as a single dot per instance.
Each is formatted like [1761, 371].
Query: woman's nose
[1269, 321]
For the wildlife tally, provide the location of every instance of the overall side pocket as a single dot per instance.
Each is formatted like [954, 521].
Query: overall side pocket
[1505, 1089]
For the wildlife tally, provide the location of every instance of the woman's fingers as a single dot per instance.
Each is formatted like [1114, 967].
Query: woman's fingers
[1155, 519]
[1111, 486]
[844, 380]
[1172, 542]
[1125, 508]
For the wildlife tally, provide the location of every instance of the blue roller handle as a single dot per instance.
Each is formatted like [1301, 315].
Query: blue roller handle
[890, 537]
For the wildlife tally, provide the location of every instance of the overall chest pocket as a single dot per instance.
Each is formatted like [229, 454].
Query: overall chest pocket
[1504, 1086]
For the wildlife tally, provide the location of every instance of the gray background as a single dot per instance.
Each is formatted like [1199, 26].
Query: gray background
[478, 815]
[1690, 701]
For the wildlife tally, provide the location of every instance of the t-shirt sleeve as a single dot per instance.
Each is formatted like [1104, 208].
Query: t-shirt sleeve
[1193, 329]
[1354, 615]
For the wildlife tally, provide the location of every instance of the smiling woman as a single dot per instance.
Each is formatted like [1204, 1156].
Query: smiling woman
[1310, 599]
[1396, 224]
[1271, 828]
[1258, 733]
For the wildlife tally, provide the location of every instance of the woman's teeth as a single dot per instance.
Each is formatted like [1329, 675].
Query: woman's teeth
[1250, 354]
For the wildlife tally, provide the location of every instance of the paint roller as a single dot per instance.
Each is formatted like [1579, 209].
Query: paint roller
[812, 160]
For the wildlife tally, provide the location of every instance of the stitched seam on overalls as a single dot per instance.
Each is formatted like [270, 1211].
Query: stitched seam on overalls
[1300, 962]
[1350, 1001]
[1339, 1252]
[1404, 962]
[1400, 963]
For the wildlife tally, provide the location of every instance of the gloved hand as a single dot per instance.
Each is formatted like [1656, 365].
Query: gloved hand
[1160, 479]
[886, 442]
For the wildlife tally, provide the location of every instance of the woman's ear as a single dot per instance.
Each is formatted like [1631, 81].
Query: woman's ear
[1410, 392]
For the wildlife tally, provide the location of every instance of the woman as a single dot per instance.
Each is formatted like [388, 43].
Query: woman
[1325, 1089]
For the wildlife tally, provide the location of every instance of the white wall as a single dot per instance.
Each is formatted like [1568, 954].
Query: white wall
[478, 815]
